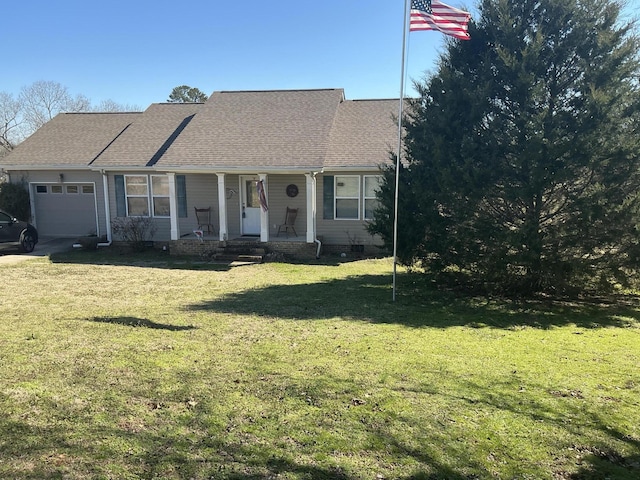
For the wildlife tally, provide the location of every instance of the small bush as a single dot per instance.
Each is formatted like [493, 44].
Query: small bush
[14, 199]
[136, 231]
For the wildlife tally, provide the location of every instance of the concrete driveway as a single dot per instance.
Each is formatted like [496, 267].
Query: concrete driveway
[45, 247]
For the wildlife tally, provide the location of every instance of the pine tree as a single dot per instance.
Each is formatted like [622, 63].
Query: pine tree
[523, 151]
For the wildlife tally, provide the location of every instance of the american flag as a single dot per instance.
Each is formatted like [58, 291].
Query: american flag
[435, 15]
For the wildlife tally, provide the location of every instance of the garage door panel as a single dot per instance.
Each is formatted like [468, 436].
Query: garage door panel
[63, 213]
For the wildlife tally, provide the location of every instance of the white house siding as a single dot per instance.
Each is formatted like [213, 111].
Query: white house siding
[65, 213]
[342, 232]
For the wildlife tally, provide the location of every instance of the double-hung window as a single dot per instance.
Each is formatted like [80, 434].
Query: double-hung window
[347, 197]
[147, 195]
[137, 195]
[160, 194]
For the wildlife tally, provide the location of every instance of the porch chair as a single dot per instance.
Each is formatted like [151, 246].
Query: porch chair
[203, 218]
[289, 222]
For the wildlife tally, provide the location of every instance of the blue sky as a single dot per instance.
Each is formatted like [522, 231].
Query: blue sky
[135, 52]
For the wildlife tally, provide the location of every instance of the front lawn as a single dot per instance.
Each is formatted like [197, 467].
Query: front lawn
[115, 367]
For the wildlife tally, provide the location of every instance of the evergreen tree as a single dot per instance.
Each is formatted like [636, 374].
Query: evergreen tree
[523, 151]
[186, 94]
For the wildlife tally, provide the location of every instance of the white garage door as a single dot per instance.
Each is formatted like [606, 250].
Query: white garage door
[65, 210]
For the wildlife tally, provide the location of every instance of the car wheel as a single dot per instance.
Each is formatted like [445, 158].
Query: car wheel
[27, 242]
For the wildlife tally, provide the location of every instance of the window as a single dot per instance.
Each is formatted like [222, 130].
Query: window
[41, 189]
[56, 188]
[72, 188]
[137, 195]
[160, 193]
[133, 195]
[87, 189]
[371, 186]
[347, 197]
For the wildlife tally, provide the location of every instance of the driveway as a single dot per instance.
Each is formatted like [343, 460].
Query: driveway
[45, 247]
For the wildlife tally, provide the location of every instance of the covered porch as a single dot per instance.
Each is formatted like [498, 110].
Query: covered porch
[243, 207]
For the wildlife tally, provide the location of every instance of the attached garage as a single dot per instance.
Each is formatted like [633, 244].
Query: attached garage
[65, 209]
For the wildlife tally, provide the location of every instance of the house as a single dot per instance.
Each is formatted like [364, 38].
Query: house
[310, 150]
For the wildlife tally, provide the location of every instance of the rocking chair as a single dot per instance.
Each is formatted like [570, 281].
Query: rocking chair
[203, 218]
[289, 222]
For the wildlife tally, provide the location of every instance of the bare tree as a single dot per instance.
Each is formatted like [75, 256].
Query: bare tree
[10, 121]
[37, 104]
[43, 100]
[112, 106]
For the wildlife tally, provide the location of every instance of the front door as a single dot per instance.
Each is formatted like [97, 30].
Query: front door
[250, 205]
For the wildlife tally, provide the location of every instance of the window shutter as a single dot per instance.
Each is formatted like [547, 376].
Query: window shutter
[121, 201]
[327, 197]
[181, 193]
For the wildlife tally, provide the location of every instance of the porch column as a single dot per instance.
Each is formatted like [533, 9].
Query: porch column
[223, 227]
[264, 216]
[311, 207]
[173, 207]
[107, 208]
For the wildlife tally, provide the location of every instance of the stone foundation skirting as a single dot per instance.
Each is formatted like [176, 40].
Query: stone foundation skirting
[294, 250]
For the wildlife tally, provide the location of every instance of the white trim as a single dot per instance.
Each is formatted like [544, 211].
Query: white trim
[223, 227]
[107, 207]
[173, 206]
[311, 206]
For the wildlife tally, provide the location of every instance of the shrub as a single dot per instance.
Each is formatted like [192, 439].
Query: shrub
[136, 231]
[14, 199]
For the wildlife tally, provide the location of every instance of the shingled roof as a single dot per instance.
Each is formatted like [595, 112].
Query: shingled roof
[233, 131]
[70, 140]
[147, 139]
[271, 129]
[363, 134]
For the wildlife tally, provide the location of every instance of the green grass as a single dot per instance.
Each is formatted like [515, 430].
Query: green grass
[122, 367]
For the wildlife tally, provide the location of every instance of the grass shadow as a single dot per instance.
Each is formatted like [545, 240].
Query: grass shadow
[140, 322]
[369, 298]
[151, 258]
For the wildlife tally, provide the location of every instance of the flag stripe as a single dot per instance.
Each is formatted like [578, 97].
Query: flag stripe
[444, 18]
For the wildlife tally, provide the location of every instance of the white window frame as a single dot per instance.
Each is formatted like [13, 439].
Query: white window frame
[364, 194]
[336, 197]
[127, 195]
[155, 195]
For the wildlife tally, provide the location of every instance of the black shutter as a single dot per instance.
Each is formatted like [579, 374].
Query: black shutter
[181, 193]
[327, 197]
[121, 201]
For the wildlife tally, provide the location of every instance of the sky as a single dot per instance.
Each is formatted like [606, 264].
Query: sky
[134, 52]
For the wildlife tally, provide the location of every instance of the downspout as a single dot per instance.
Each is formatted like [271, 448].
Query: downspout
[315, 214]
[107, 209]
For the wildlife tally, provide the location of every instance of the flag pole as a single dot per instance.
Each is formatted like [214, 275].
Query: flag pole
[399, 151]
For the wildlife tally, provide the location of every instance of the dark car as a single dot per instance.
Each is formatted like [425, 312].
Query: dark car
[13, 232]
